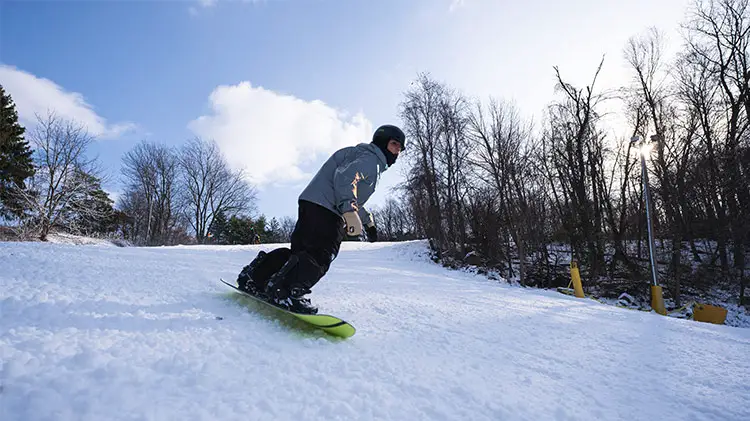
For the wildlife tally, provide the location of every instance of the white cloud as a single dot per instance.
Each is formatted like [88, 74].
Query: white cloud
[273, 135]
[114, 195]
[455, 4]
[33, 95]
[201, 4]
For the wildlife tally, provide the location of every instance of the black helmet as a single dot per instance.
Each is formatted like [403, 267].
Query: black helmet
[385, 133]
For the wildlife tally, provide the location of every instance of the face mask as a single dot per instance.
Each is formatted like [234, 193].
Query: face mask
[389, 157]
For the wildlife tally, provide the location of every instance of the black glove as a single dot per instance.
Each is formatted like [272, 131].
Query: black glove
[372, 233]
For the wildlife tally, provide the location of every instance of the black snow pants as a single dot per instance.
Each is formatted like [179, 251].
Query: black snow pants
[316, 240]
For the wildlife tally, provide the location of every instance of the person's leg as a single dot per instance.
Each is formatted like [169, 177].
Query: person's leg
[266, 265]
[254, 277]
[315, 244]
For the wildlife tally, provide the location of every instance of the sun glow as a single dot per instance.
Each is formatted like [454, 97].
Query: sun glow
[645, 149]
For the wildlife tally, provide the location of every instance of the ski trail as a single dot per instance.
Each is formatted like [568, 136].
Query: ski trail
[97, 332]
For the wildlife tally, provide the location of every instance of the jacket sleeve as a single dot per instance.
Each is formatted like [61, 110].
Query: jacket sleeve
[365, 216]
[353, 183]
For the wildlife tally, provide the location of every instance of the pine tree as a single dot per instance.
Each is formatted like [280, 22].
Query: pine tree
[239, 230]
[16, 164]
[90, 209]
[219, 229]
[273, 231]
[260, 226]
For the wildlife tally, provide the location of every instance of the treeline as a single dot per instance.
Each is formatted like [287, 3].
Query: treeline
[46, 181]
[170, 191]
[483, 179]
[245, 230]
[172, 195]
[394, 221]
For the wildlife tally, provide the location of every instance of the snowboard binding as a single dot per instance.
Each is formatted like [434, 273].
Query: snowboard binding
[291, 297]
[275, 289]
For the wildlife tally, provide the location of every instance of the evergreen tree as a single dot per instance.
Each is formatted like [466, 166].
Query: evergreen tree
[90, 209]
[240, 231]
[219, 229]
[261, 227]
[16, 164]
[273, 231]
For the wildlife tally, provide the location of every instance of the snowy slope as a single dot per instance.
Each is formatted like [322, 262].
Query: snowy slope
[106, 333]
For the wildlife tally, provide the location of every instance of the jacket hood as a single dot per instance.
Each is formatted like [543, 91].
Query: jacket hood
[372, 148]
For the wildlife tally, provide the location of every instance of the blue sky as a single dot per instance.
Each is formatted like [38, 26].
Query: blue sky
[280, 84]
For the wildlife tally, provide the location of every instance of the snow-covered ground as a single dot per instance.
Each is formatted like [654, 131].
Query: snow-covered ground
[95, 332]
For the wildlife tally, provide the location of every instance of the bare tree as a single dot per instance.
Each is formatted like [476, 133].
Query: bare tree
[390, 220]
[286, 228]
[453, 153]
[210, 186]
[502, 160]
[524, 194]
[719, 35]
[674, 140]
[152, 192]
[573, 147]
[59, 185]
[422, 123]
[698, 90]
[437, 184]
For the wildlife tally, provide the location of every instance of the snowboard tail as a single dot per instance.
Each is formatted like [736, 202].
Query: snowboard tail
[329, 324]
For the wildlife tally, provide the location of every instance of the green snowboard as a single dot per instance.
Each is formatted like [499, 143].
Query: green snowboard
[329, 324]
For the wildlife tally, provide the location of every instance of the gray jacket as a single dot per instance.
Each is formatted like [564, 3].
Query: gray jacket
[347, 179]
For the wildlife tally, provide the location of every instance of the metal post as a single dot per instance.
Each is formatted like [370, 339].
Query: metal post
[657, 300]
[651, 245]
[636, 140]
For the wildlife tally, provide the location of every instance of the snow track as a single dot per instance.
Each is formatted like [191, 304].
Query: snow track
[97, 332]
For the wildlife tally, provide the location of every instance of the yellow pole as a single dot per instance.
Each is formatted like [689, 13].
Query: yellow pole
[657, 300]
[576, 276]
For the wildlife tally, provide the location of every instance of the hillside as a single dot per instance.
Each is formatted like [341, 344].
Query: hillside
[93, 332]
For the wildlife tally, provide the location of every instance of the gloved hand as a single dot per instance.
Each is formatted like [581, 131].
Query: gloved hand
[372, 233]
[353, 223]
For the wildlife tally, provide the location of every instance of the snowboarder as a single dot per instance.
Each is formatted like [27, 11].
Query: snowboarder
[330, 207]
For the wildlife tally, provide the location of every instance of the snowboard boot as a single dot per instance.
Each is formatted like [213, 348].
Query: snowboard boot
[296, 301]
[290, 297]
[245, 280]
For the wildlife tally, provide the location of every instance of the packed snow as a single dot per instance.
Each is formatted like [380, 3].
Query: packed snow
[97, 332]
